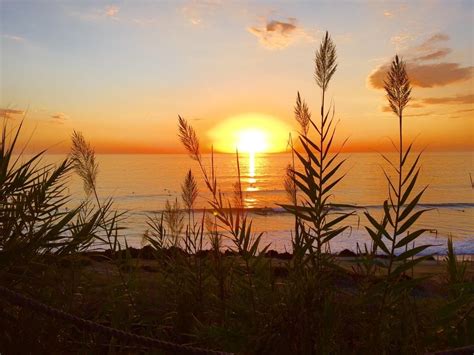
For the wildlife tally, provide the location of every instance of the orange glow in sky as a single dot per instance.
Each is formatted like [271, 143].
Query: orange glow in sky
[121, 75]
[250, 133]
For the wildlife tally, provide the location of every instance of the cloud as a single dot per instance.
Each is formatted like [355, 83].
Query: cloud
[425, 75]
[400, 40]
[424, 102]
[431, 41]
[278, 34]
[59, 118]
[195, 11]
[429, 49]
[14, 38]
[412, 104]
[9, 113]
[422, 71]
[111, 11]
[441, 53]
[94, 14]
[466, 110]
[394, 11]
[451, 100]
[422, 114]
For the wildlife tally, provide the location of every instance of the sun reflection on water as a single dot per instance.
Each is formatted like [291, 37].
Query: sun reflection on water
[251, 201]
[252, 180]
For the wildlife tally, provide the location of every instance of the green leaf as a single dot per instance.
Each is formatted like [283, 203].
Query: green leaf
[376, 237]
[411, 205]
[409, 188]
[332, 172]
[410, 237]
[412, 169]
[387, 213]
[331, 186]
[330, 235]
[410, 222]
[337, 220]
[408, 265]
[412, 252]
[406, 154]
[379, 227]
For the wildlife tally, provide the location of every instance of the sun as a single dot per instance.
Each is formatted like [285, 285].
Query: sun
[250, 133]
[252, 140]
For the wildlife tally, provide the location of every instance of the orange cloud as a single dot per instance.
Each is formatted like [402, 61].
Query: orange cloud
[412, 104]
[112, 11]
[196, 11]
[425, 75]
[422, 114]
[9, 113]
[459, 99]
[429, 49]
[279, 34]
[467, 110]
[58, 118]
[434, 55]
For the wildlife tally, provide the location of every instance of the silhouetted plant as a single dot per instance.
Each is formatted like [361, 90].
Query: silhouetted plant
[302, 115]
[399, 210]
[33, 199]
[455, 319]
[320, 221]
[84, 162]
[173, 217]
[396, 235]
[232, 219]
[83, 159]
[189, 191]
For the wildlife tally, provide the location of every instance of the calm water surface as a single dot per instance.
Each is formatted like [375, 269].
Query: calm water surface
[141, 184]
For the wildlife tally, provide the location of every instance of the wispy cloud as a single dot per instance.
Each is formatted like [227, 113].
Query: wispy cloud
[466, 110]
[59, 118]
[14, 38]
[394, 11]
[10, 113]
[195, 11]
[430, 48]
[401, 40]
[426, 75]
[111, 11]
[421, 69]
[274, 34]
[451, 100]
[412, 104]
[421, 114]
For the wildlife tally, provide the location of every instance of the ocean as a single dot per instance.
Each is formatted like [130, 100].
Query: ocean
[141, 185]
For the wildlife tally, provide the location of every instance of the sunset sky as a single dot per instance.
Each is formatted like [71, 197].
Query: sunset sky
[122, 71]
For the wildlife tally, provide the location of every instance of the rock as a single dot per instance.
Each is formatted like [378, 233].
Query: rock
[346, 253]
[272, 254]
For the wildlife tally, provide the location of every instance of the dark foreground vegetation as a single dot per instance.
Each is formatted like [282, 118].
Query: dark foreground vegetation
[184, 288]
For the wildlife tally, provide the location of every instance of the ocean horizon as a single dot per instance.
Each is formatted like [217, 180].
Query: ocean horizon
[140, 185]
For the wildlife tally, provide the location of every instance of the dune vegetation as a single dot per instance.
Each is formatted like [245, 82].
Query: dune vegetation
[69, 283]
